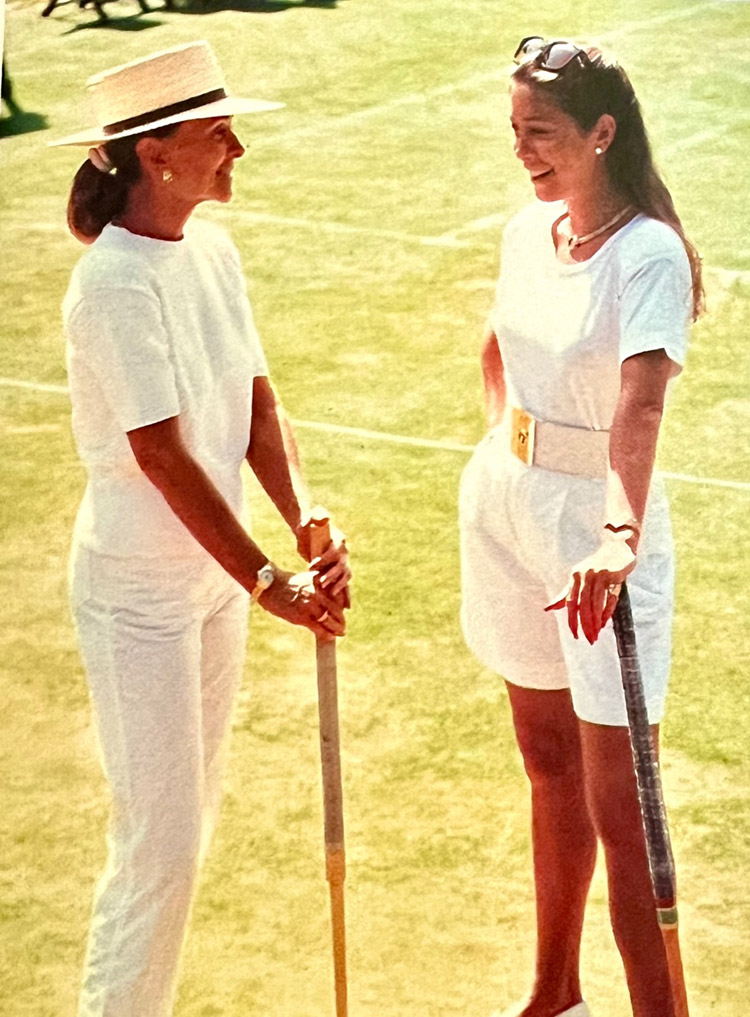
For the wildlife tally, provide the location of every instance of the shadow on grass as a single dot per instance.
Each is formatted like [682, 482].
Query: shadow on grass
[21, 122]
[250, 6]
[130, 23]
[137, 22]
[125, 23]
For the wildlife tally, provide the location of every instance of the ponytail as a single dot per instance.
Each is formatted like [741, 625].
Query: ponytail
[96, 197]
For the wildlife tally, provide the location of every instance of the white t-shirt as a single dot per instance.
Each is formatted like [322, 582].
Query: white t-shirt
[564, 329]
[157, 329]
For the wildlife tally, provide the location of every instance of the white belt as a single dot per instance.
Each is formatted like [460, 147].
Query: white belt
[562, 448]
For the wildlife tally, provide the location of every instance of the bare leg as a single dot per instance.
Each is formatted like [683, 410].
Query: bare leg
[564, 842]
[613, 804]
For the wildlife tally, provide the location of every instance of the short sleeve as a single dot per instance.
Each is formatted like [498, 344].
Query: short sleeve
[258, 362]
[655, 308]
[506, 258]
[119, 335]
[238, 295]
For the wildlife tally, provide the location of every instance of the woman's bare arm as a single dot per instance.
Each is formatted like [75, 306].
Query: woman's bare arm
[634, 435]
[633, 439]
[493, 374]
[193, 497]
[274, 459]
[191, 494]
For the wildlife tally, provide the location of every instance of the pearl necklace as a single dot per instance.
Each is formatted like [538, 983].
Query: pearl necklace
[576, 241]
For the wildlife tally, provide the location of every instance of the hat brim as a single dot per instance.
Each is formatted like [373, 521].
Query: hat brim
[228, 107]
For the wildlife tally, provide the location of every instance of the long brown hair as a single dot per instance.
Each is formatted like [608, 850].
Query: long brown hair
[97, 198]
[585, 89]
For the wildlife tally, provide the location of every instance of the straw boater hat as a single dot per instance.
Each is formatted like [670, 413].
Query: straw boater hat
[182, 83]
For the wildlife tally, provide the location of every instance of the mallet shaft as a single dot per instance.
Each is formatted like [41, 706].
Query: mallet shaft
[333, 799]
[651, 799]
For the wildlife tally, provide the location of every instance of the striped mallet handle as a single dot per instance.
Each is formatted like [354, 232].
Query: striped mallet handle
[333, 801]
[651, 798]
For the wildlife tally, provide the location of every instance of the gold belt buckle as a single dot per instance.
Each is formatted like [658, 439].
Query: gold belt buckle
[522, 426]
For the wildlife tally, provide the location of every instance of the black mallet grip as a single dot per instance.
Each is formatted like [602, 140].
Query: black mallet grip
[645, 763]
[651, 799]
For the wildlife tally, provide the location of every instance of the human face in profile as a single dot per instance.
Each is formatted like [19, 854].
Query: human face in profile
[200, 156]
[559, 156]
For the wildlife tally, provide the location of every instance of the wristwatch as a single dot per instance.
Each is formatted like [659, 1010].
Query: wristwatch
[263, 580]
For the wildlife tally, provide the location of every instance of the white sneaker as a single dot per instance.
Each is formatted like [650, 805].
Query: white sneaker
[578, 1010]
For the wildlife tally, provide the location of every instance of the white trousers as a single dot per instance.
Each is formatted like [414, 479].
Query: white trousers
[163, 647]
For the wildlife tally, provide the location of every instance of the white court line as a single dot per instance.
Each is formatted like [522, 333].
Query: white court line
[486, 222]
[395, 439]
[36, 386]
[444, 240]
[451, 446]
[411, 98]
[452, 238]
[686, 478]
[727, 276]
[500, 74]
[712, 134]
[660, 19]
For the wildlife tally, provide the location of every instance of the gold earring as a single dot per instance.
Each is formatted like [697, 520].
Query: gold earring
[167, 176]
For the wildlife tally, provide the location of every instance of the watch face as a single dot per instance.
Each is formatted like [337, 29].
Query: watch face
[265, 576]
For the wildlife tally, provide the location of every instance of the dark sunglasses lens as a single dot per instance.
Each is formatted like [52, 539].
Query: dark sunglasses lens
[528, 48]
[559, 55]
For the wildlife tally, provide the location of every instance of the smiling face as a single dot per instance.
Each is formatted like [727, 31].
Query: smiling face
[200, 156]
[560, 156]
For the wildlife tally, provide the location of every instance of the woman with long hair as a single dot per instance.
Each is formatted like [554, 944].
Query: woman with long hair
[170, 394]
[559, 503]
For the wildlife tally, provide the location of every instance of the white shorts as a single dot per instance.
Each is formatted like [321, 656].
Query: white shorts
[522, 529]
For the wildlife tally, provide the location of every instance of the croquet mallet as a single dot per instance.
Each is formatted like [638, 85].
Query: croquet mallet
[333, 803]
[651, 799]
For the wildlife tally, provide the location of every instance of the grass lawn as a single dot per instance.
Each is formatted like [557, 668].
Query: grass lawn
[368, 214]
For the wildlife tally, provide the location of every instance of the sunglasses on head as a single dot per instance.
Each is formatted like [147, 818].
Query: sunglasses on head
[549, 56]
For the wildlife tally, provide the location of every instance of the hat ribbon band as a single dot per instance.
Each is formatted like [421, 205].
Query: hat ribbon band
[162, 112]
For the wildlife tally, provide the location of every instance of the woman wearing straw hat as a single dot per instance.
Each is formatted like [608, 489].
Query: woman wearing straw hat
[170, 393]
[597, 287]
